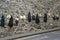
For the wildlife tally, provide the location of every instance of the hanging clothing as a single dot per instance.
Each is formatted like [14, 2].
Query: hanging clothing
[16, 21]
[10, 24]
[2, 20]
[54, 17]
[33, 17]
[37, 19]
[45, 18]
[29, 17]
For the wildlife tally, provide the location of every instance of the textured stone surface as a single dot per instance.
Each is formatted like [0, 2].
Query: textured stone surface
[22, 7]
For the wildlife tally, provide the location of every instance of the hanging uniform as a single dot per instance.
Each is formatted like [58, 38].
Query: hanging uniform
[16, 21]
[37, 19]
[29, 17]
[54, 17]
[10, 24]
[45, 18]
[33, 17]
[2, 20]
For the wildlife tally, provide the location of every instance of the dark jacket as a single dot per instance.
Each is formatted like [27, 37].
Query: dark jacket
[33, 17]
[10, 24]
[16, 22]
[2, 20]
[45, 17]
[37, 19]
[29, 17]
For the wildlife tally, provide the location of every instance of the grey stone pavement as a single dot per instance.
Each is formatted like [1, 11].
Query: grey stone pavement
[46, 36]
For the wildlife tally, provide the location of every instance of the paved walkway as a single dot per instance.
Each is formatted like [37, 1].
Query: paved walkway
[47, 36]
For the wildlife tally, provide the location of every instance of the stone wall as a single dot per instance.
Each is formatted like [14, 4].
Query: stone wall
[22, 7]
